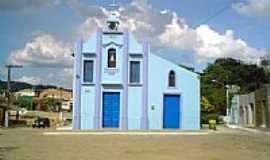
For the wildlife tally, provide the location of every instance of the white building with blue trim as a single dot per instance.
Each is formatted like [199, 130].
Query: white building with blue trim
[119, 83]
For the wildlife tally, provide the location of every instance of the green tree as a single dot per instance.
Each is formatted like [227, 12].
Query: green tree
[24, 102]
[50, 104]
[206, 106]
[231, 72]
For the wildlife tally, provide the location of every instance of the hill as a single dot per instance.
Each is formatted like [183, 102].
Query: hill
[15, 86]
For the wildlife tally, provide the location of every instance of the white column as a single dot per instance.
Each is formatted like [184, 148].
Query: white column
[6, 118]
[263, 116]
[250, 117]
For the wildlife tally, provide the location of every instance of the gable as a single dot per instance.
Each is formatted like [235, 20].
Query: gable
[177, 67]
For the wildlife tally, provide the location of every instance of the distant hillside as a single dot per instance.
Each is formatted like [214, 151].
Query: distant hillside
[15, 86]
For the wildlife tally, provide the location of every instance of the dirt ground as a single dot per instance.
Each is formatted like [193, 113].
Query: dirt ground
[32, 144]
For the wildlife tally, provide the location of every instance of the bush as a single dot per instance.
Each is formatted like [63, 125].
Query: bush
[20, 123]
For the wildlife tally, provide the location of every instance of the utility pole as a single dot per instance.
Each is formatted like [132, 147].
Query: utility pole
[8, 93]
[227, 87]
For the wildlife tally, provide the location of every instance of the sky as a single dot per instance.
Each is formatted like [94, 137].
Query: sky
[40, 34]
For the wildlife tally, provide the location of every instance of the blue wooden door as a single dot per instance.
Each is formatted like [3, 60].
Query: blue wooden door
[171, 111]
[111, 107]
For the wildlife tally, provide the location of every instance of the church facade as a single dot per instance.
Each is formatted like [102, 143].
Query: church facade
[119, 83]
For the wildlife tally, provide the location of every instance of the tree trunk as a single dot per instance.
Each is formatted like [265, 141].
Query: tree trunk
[17, 115]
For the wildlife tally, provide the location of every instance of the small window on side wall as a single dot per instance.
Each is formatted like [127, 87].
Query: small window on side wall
[134, 75]
[88, 71]
[172, 79]
[112, 58]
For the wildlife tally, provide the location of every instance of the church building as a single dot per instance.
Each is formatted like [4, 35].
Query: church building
[119, 83]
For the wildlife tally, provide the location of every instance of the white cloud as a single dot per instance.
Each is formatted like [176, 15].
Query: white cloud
[177, 35]
[66, 77]
[165, 29]
[58, 76]
[43, 51]
[30, 79]
[211, 44]
[253, 7]
[51, 56]
[3, 72]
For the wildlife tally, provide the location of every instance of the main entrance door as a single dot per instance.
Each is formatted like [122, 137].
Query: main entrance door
[111, 107]
[171, 112]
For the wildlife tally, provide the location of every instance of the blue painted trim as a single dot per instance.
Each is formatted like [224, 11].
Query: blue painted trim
[97, 122]
[144, 116]
[124, 121]
[76, 124]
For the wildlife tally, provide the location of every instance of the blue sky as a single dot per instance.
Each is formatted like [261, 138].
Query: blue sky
[37, 33]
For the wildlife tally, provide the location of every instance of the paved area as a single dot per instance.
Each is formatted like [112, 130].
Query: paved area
[224, 144]
[258, 130]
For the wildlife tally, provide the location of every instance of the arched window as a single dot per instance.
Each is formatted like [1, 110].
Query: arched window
[172, 79]
[112, 58]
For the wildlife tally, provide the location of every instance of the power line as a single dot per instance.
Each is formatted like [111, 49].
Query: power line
[219, 12]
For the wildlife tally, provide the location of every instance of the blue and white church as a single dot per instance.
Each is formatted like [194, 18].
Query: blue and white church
[119, 83]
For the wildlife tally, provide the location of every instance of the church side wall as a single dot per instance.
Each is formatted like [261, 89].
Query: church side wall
[187, 86]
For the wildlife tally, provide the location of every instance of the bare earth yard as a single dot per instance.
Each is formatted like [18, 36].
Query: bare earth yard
[32, 144]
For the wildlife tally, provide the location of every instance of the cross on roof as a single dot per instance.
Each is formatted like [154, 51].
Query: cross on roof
[113, 5]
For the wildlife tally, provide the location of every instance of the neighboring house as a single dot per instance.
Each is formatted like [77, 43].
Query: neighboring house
[262, 98]
[119, 83]
[252, 109]
[25, 92]
[66, 105]
[64, 95]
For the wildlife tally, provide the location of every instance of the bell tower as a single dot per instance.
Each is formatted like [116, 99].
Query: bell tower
[113, 20]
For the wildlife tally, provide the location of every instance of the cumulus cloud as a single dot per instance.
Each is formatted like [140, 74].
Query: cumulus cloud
[51, 56]
[57, 76]
[43, 51]
[211, 44]
[165, 29]
[253, 7]
[3, 72]
[30, 79]
[67, 76]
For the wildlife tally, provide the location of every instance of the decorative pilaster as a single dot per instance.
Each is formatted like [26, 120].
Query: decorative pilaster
[124, 124]
[76, 124]
[144, 115]
[97, 121]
